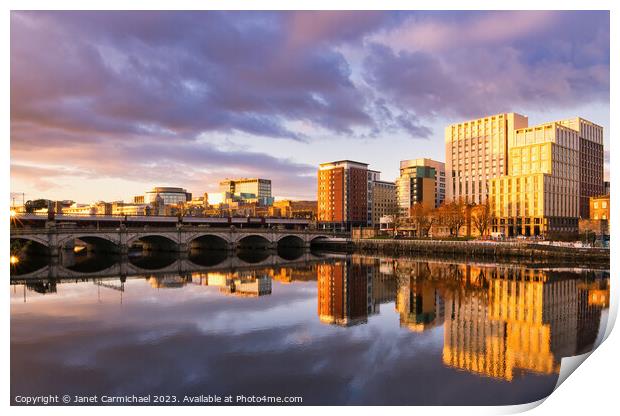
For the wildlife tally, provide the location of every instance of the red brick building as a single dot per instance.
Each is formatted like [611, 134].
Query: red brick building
[343, 197]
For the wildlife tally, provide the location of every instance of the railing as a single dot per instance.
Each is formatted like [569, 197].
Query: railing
[118, 217]
[15, 230]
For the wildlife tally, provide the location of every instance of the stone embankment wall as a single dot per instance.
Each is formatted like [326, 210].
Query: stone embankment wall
[525, 251]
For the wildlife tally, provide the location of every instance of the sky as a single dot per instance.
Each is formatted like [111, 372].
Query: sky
[105, 105]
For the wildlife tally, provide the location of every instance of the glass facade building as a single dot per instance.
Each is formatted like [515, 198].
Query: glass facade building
[169, 195]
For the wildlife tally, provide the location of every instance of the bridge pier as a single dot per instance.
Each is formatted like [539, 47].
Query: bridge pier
[54, 251]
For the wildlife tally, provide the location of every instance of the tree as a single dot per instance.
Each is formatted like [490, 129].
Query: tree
[482, 217]
[453, 215]
[422, 217]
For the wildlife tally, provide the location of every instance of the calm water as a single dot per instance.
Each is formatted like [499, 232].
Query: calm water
[332, 329]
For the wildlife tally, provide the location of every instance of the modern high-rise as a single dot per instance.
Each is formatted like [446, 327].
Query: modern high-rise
[248, 189]
[477, 151]
[540, 192]
[344, 187]
[440, 175]
[591, 161]
[421, 181]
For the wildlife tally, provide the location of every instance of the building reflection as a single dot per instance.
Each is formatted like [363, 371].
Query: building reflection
[418, 301]
[249, 283]
[42, 287]
[526, 320]
[288, 275]
[172, 281]
[344, 292]
[498, 321]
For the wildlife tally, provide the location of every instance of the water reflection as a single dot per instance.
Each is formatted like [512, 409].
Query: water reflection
[423, 321]
[248, 283]
[152, 260]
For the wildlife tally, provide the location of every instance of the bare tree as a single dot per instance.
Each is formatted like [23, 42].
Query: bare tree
[422, 217]
[482, 217]
[453, 216]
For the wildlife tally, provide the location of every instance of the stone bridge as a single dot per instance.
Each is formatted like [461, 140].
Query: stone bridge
[181, 238]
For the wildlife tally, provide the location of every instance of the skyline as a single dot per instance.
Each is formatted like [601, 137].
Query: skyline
[135, 99]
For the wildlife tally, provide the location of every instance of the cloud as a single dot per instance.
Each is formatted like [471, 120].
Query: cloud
[176, 73]
[200, 165]
[115, 94]
[478, 64]
[449, 31]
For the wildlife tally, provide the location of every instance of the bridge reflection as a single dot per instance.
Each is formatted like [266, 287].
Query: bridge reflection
[94, 266]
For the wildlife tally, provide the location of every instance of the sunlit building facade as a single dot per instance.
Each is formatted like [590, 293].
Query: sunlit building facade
[169, 195]
[540, 192]
[416, 185]
[599, 207]
[408, 169]
[247, 189]
[343, 195]
[477, 151]
[591, 161]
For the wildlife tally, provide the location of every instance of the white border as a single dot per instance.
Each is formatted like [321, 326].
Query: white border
[591, 389]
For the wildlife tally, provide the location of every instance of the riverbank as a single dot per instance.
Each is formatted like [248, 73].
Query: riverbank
[525, 251]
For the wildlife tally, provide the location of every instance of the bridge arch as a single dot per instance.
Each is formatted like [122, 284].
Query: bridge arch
[251, 241]
[33, 238]
[210, 241]
[26, 246]
[94, 242]
[316, 238]
[291, 240]
[155, 241]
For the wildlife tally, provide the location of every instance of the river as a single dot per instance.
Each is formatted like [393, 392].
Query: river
[324, 327]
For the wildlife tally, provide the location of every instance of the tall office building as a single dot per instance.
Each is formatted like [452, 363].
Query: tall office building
[343, 194]
[477, 151]
[591, 161]
[408, 167]
[248, 189]
[540, 192]
[421, 181]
